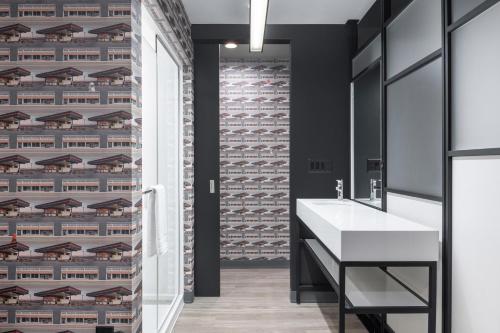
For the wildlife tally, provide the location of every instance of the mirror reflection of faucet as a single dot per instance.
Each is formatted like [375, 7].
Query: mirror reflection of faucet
[373, 189]
[340, 189]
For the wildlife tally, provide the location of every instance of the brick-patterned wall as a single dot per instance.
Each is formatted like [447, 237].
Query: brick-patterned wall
[70, 161]
[254, 159]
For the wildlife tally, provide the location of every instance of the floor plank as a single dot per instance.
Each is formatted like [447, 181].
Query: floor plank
[257, 300]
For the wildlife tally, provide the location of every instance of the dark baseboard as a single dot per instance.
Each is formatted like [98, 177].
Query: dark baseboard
[314, 296]
[372, 323]
[229, 264]
[188, 297]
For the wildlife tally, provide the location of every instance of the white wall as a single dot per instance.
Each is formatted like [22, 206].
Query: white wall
[476, 244]
[428, 213]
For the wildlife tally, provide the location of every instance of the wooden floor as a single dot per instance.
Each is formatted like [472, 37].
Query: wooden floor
[258, 301]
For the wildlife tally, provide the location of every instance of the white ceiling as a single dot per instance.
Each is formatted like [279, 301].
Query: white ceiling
[280, 11]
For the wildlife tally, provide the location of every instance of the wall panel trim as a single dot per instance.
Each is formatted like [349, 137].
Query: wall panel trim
[364, 46]
[471, 15]
[396, 15]
[415, 67]
[474, 152]
[414, 194]
[367, 69]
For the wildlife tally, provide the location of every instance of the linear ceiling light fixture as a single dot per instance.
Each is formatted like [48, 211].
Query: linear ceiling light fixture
[258, 16]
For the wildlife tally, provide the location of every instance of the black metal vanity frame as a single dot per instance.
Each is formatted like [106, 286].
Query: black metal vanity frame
[345, 305]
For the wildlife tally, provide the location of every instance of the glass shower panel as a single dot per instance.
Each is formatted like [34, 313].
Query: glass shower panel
[169, 176]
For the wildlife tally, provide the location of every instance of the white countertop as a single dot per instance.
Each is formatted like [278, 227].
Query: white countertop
[354, 232]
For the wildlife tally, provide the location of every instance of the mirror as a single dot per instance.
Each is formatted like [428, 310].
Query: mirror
[367, 137]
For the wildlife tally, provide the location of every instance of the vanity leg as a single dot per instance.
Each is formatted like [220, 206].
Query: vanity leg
[297, 275]
[432, 297]
[383, 320]
[341, 298]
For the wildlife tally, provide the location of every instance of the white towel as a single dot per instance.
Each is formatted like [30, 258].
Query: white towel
[157, 220]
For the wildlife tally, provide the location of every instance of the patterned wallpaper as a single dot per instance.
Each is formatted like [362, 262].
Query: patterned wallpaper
[70, 165]
[172, 18]
[254, 159]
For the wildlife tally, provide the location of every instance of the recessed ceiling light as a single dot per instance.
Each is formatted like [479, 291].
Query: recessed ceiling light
[231, 45]
[258, 16]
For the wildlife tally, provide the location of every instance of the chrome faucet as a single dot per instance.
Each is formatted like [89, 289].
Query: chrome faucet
[373, 189]
[340, 189]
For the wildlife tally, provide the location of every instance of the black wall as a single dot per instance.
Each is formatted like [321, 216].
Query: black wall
[206, 166]
[319, 114]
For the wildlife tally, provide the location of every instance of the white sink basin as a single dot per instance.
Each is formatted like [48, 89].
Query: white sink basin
[355, 232]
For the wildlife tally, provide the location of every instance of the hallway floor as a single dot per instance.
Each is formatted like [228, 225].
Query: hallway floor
[258, 301]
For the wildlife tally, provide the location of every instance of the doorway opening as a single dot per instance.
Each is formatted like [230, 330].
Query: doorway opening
[254, 113]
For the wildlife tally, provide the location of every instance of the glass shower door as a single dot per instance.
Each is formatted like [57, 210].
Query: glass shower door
[162, 163]
[169, 175]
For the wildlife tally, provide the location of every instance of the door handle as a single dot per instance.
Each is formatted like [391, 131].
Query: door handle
[212, 186]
